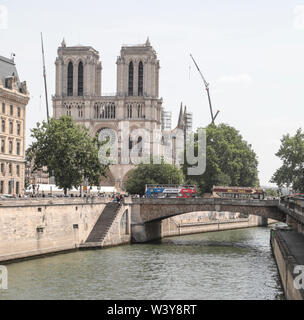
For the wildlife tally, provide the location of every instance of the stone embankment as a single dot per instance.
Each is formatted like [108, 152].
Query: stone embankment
[200, 222]
[287, 246]
[36, 227]
[31, 228]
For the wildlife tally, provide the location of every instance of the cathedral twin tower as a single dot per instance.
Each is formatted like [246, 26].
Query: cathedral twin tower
[78, 92]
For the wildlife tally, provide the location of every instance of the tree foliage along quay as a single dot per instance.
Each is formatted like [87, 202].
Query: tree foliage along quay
[68, 152]
[291, 152]
[230, 160]
[152, 174]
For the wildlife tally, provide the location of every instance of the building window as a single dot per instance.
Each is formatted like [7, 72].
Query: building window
[10, 169]
[10, 187]
[18, 129]
[17, 188]
[11, 110]
[80, 112]
[70, 79]
[140, 146]
[140, 79]
[130, 111]
[105, 110]
[10, 147]
[113, 111]
[130, 144]
[2, 168]
[140, 111]
[19, 112]
[8, 83]
[80, 79]
[3, 108]
[18, 148]
[18, 170]
[131, 79]
[3, 126]
[2, 146]
[69, 111]
[2, 187]
[11, 127]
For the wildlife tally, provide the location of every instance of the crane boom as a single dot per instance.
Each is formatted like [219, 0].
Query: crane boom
[44, 76]
[206, 83]
[207, 89]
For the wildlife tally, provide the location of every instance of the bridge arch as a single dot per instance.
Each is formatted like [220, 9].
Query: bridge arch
[147, 214]
[160, 209]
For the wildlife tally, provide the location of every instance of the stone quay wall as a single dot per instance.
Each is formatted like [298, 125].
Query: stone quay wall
[201, 222]
[192, 223]
[287, 249]
[30, 228]
[120, 231]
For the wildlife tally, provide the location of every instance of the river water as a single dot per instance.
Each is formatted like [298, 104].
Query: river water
[228, 265]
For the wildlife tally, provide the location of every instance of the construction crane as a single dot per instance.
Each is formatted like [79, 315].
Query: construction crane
[44, 76]
[213, 117]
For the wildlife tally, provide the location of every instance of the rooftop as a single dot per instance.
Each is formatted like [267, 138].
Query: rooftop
[8, 69]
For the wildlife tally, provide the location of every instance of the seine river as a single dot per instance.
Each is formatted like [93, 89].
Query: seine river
[229, 265]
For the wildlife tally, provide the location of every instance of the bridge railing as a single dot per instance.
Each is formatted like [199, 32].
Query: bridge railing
[295, 207]
[211, 201]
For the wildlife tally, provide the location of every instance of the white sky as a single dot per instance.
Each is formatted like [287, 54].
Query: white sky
[251, 52]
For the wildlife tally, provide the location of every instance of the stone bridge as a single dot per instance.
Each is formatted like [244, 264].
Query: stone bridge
[147, 214]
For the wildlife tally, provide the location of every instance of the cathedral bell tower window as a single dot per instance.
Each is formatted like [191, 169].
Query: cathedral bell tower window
[80, 79]
[140, 79]
[131, 79]
[70, 79]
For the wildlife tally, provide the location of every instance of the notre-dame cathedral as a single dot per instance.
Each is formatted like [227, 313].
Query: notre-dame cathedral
[137, 101]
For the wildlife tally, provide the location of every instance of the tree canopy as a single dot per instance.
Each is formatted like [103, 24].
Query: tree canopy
[291, 152]
[230, 160]
[152, 174]
[68, 152]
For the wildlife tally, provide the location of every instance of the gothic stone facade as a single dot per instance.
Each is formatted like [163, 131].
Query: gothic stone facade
[137, 102]
[13, 100]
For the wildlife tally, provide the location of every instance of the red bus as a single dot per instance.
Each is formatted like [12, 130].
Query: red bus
[187, 192]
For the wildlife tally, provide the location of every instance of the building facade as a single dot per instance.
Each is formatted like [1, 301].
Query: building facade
[135, 105]
[34, 178]
[14, 98]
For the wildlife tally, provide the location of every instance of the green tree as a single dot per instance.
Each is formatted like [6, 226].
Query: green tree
[230, 160]
[272, 193]
[152, 174]
[68, 152]
[291, 152]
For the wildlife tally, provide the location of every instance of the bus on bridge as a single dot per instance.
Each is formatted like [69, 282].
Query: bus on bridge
[238, 193]
[171, 191]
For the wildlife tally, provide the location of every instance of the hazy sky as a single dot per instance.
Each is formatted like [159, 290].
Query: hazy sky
[251, 52]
